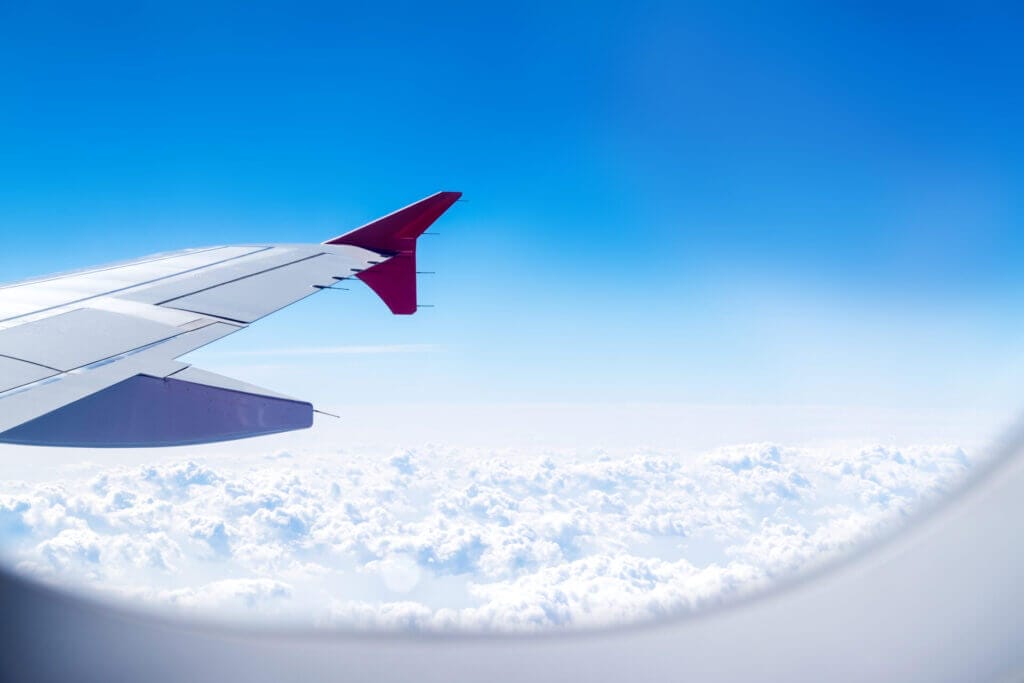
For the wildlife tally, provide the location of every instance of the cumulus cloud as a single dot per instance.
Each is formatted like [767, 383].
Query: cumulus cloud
[435, 538]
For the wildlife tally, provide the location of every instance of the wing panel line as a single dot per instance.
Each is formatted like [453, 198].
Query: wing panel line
[30, 362]
[132, 286]
[239, 279]
[112, 266]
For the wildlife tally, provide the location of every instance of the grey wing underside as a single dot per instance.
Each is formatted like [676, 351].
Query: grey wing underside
[80, 353]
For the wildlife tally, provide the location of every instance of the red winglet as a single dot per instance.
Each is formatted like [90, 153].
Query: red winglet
[395, 235]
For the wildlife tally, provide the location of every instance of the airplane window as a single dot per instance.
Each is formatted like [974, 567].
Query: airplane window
[651, 341]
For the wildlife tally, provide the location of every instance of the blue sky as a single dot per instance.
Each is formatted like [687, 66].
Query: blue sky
[705, 203]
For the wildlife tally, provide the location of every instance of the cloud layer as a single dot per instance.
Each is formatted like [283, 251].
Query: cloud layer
[434, 538]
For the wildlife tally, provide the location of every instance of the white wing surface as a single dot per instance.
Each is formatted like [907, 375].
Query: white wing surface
[89, 358]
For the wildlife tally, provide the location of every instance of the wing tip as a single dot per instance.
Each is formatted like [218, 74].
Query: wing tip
[395, 234]
[398, 230]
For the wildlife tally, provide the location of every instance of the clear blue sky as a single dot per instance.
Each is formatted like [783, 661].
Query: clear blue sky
[701, 203]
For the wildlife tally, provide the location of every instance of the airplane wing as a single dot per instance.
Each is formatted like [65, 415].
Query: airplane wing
[88, 358]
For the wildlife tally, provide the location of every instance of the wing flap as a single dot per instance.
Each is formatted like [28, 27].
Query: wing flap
[28, 402]
[196, 281]
[145, 411]
[194, 374]
[80, 337]
[251, 298]
[16, 373]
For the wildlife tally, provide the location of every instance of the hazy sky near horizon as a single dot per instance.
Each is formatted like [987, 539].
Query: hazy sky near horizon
[702, 204]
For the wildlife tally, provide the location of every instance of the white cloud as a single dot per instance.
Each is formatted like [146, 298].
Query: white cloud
[436, 538]
[400, 572]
